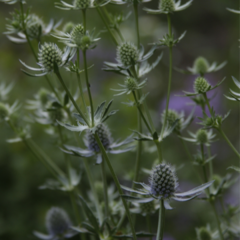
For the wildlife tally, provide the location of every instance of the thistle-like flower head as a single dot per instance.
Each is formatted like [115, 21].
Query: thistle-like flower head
[169, 6]
[127, 54]
[50, 56]
[204, 233]
[34, 26]
[68, 27]
[58, 225]
[202, 136]
[201, 85]
[81, 4]
[77, 33]
[163, 186]
[163, 181]
[103, 133]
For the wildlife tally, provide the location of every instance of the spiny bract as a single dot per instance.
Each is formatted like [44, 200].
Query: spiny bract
[203, 234]
[163, 181]
[202, 136]
[201, 85]
[127, 53]
[57, 221]
[49, 54]
[201, 65]
[172, 116]
[167, 5]
[104, 135]
[81, 3]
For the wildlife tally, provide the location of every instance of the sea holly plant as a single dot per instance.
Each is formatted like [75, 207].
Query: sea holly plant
[88, 163]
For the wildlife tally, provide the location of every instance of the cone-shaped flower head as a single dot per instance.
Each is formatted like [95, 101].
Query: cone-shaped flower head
[202, 136]
[3, 111]
[127, 54]
[57, 221]
[83, 4]
[171, 118]
[43, 96]
[201, 65]
[163, 181]
[167, 5]
[56, 114]
[34, 26]
[203, 234]
[48, 54]
[104, 135]
[147, 208]
[201, 85]
[131, 84]
[68, 27]
[77, 34]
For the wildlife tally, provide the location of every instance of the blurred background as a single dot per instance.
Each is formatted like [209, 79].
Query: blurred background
[212, 32]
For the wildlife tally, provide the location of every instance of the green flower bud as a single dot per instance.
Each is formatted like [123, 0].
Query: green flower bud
[49, 54]
[104, 135]
[57, 221]
[171, 118]
[68, 27]
[202, 136]
[217, 180]
[147, 208]
[81, 4]
[85, 42]
[167, 5]
[77, 34]
[201, 65]
[43, 96]
[55, 114]
[3, 111]
[163, 181]
[127, 53]
[203, 234]
[34, 27]
[131, 84]
[201, 85]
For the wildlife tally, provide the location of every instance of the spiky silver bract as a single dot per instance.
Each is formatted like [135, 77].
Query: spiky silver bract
[234, 96]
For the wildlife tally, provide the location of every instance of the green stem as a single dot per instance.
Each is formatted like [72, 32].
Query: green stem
[204, 168]
[84, 20]
[160, 221]
[79, 82]
[217, 219]
[135, 5]
[207, 102]
[170, 75]
[148, 219]
[88, 86]
[70, 95]
[229, 143]
[116, 182]
[107, 26]
[105, 187]
[95, 196]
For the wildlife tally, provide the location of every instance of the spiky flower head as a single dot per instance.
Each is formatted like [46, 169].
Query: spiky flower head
[55, 114]
[68, 27]
[3, 111]
[167, 5]
[127, 53]
[48, 54]
[77, 34]
[104, 135]
[83, 4]
[163, 181]
[34, 26]
[203, 234]
[147, 208]
[201, 65]
[172, 116]
[202, 136]
[131, 84]
[43, 96]
[201, 85]
[57, 221]
[217, 180]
